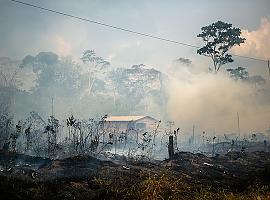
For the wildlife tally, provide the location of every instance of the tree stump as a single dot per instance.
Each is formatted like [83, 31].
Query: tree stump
[170, 147]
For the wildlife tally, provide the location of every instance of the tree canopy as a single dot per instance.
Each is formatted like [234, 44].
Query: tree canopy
[219, 38]
[238, 73]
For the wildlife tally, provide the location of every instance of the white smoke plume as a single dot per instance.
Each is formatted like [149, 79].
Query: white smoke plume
[211, 102]
[257, 42]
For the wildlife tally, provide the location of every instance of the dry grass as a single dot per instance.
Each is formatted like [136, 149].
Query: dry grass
[146, 186]
[166, 185]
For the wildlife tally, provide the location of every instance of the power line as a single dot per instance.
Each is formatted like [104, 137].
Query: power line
[123, 29]
[247, 57]
[106, 25]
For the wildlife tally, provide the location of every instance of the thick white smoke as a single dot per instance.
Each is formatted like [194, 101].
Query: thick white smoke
[257, 42]
[211, 102]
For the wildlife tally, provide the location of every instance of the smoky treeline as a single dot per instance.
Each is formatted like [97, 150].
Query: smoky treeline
[56, 106]
[90, 87]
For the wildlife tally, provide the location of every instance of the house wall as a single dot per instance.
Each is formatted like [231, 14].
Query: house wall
[122, 126]
[149, 122]
[116, 126]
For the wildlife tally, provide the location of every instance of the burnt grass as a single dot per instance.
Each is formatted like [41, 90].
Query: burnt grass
[236, 175]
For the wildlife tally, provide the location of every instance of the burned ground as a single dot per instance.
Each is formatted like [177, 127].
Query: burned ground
[193, 176]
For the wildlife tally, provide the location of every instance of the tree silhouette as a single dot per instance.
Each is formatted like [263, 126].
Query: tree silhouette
[219, 38]
[238, 73]
[96, 65]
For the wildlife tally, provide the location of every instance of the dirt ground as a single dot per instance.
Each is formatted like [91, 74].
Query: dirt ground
[236, 175]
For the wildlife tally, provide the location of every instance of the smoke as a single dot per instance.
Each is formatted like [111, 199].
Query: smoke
[257, 42]
[195, 97]
[63, 48]
[211, 102]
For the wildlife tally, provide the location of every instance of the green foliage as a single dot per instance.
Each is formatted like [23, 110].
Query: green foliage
[219, 38]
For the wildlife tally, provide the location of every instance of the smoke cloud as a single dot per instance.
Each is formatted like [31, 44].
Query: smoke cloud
[63, 48]
[211, 102]
[257, 42]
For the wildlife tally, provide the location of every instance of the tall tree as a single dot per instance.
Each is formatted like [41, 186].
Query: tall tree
[219, 38]
[136, 87]
[96, 65]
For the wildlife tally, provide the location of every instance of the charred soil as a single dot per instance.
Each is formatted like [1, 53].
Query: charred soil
[235, 175]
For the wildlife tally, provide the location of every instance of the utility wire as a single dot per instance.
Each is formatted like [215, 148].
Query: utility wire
[124, 29]
[103, 24]
[251, 58]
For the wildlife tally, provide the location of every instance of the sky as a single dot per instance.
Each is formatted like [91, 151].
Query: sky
[25, 30]
[194, 96]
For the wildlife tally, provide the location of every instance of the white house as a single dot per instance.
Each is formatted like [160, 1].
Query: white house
[126, 123]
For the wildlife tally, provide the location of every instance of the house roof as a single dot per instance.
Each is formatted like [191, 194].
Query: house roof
[126, 118]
